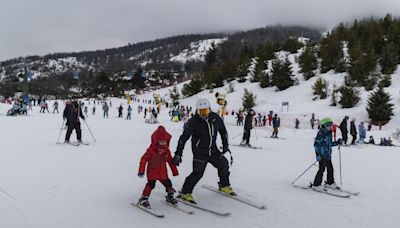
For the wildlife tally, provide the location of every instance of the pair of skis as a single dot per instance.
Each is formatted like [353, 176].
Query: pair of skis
[342, 193]
[240, 198]
[250, 147]
[75, 143]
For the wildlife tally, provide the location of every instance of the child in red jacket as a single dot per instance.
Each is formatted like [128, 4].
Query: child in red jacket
[156, 158]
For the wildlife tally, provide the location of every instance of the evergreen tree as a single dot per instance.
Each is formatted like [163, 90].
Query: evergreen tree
[386, 81]
[379, 107]
[264, 80]
[389, 59]
[281, 73]
[193, 87]
[350, 96]
[211, 56]
[175, 96]
[308, 62]
[331, 54]
[248, 99]
[320, 88]
[291, 45]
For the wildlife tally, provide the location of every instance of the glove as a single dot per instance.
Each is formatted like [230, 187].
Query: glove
[140, 175]
[176, 160]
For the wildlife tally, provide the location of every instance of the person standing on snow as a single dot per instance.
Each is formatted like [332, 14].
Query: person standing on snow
[353, 131]
[120, 108]
[248, 125]
[156, 158]
[55, 106]
[362, 132]
[312, 120]
[276, 122]
[203, 128]
[128, 115]
[72, 112]
[323, 151]
[343, 129]
[105, 110]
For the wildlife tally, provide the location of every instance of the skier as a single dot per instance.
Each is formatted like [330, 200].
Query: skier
[203, 128]
[72, 112]
[156, 157]
[276, 122]
[296, 122]
[361, 130]
[128, 116]
[94, 110]
[55, 107]
[323, 151]
[120, 108]
[248, 125]
[343, 129]
[105, 110]
[86, 110]
[353, 131]
[312, 120]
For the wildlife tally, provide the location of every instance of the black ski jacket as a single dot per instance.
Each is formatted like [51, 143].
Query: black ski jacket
[204, 135]
[248, 122]
[71, 113]
[343, 126]
[353, 130]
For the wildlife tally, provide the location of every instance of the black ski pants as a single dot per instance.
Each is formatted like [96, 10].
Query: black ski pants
[199, 166]
[246, 135]
[354, 136]
[71, 127]
[344, 136]
[324, 163]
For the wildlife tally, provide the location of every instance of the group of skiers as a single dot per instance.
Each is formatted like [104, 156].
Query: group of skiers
[203, 129]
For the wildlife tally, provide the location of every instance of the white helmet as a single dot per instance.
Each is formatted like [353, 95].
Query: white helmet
[203, 103]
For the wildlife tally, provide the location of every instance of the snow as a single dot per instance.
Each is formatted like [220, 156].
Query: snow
[197, 51]
[43, 184]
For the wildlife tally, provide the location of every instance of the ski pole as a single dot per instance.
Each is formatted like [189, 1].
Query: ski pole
[237, 136]
[62, 126]
[340, 166]
[304, 172]
[87, 125]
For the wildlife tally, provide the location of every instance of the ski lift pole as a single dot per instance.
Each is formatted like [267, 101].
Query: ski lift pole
[87, 125]
[59, 135]
[304, 172]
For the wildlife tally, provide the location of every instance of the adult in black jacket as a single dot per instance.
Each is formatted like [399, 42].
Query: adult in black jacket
[203, 128]
[248, 125]
[343, 129]
[72, 112]
[353, 131]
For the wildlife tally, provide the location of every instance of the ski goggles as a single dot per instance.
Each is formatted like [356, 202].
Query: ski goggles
[203, 111]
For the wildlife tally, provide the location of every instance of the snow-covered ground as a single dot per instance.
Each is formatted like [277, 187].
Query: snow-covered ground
[44, 184]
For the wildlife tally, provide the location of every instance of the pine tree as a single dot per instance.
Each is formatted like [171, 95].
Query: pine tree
[379, 107]
[281, 73]
[175, 96]
[386, 81]
[320, 88]
[331, 54]
[389, 59]
[308, 62]
[350, 96]
[264, 80]
[193, 87]
[291, 45]
[248, 100]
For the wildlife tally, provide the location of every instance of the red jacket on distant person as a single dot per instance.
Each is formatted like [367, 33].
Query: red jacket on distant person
[157, 156]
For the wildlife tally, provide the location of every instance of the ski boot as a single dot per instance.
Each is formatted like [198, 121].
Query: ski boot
[247, 145]
[243, 143]
[332, 186]
[66, 141]
[318, 188]
[187, 198]
[144, 202]
[170, 198]
[227, 190]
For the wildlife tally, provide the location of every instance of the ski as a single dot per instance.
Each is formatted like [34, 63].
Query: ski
[269, 137]
[204, 208]
[70, 143]
[148, 210]
[239, 198]
[345, 191]
[179, 208]
[84, 143]
[250, 147]
[326, 191]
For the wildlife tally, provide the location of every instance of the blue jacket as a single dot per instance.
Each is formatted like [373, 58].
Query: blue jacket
[276, 122]
[323, 144]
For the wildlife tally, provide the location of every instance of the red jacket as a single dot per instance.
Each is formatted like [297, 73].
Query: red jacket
[157, 157]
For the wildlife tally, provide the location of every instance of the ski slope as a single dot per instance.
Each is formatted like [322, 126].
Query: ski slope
[44, 184]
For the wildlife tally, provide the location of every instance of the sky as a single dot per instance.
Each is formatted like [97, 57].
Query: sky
[38, 27]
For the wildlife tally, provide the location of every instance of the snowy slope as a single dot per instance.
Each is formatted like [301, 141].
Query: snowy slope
[46, 185]
[197, 51]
